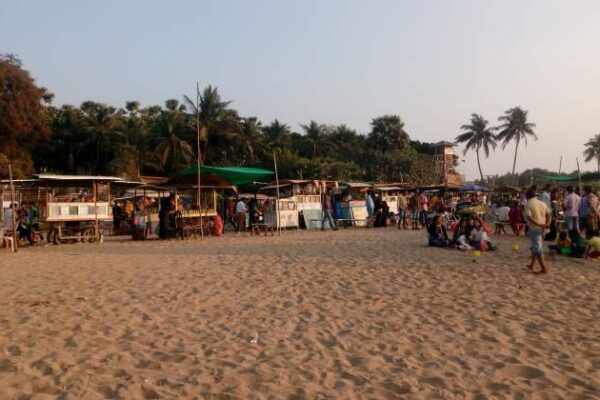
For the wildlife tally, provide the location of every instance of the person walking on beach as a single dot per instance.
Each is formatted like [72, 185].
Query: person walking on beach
[572, 204]
[402, 205]
[538, 218]
[240, 215]
[328, 211]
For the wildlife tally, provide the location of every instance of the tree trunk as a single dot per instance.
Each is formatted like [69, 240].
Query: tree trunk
[598, 160]
[515, 160]
[479, 166]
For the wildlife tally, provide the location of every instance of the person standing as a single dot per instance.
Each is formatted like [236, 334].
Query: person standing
[538, 217]
[402, 205]
[546, 197]
[592, 209]
[370, 204]
[572, 203]
[240, 215]
[423, 209]
[328, 211]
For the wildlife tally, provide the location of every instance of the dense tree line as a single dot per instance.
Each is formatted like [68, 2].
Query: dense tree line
[134, 140]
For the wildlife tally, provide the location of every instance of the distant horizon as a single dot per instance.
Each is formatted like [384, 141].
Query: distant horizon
[336, 62]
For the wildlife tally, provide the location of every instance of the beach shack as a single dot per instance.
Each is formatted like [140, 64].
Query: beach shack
[216, 183]
[71, 208]
[349, 203]
[389, 193]
[299, 197]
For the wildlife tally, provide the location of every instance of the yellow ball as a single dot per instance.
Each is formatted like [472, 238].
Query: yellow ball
[476, 253]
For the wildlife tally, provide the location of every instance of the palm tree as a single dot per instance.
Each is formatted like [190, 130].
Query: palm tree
[477, 136]
[515, 128]
[172, 151]
[592, 150]
[277, 135]
[387, 133]
[316, 137]
[250, 139]
[213, 114]
[103, 124]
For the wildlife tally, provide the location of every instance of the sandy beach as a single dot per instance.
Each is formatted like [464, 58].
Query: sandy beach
[355, 314]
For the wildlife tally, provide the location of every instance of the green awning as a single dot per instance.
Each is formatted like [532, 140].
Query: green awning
[234, 175]
[559, 178]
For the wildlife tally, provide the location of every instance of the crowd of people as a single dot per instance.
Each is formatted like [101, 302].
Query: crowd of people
[26, 220]
[569, 222]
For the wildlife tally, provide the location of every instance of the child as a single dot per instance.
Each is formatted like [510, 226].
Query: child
[461, 235]
[562, 244]
[479, 237]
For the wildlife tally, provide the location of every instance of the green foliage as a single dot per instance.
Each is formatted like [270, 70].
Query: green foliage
[97, 138]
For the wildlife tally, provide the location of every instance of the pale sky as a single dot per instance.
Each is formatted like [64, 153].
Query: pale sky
[335, 61]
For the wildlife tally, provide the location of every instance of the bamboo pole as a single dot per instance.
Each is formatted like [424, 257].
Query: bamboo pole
[277, 201]
[560, 165]
[579, 176]
[199, 159]
[96, 228]
[13, 210]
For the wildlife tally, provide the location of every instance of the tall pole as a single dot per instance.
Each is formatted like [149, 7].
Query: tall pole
[199, 160]
[96, 229]
[277, 201]
[12, 210]
[560, 165]
[579, 175]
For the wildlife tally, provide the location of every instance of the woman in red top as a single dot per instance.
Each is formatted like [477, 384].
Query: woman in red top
[516, 218]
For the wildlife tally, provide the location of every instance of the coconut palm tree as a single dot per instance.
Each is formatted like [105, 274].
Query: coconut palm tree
[387, 133]
[515, 128]
[592, 150]
[250, 139]
[213, 116]
[316, 138]
[478, 135]
[277, 135]
[172, 151]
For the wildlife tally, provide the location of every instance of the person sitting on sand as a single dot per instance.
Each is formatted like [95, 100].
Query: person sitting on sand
[479, 237]
[438, 237]
[562, 244]
[460, 239]
[578, 245]
[593, 246]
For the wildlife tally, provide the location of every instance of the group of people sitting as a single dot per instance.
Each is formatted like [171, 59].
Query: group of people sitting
[469, 234]
[573, 244]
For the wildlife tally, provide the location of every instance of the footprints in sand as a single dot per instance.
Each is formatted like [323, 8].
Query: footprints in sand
[372, 320]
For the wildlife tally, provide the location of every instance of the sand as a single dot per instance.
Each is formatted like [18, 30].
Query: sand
[355, 314]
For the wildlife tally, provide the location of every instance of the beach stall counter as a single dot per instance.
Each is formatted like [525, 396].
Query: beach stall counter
[299, 197]
[71, 208]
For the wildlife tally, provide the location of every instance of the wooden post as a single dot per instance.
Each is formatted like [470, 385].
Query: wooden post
[96, 227]
[560, 165]
[579, 176]
[277, 201]
[199, 160]
[13, 217]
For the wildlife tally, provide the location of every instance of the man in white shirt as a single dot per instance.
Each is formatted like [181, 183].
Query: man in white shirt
[538, 217]
[240, 214]
[572, 204]
[502, 218]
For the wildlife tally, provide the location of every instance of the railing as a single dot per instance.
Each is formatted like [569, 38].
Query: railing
[76, 211]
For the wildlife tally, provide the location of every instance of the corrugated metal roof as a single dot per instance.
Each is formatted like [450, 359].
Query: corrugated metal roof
[55, 177]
